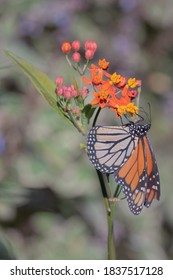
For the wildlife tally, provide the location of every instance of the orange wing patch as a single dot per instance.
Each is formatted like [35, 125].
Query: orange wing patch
[133, 168]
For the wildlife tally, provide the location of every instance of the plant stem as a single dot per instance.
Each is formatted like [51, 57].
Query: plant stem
[110, 209]
[77, 124]
[111, 241]
[104, 190]
[109, 206]
[96, 116]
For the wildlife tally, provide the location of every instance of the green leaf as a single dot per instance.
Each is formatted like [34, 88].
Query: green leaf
[88, 111]
[40, 80]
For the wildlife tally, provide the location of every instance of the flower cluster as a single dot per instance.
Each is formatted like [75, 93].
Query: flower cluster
[112, 90]
[109, 90]
[69, 98]
[69, 92]
[90, 48]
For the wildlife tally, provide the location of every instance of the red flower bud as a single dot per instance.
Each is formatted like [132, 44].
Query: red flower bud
[76, 57]
[89, 54]
[66, 47]
[74, 93]
[59, 91]
[67, 93]
[84, 92]
[75, 45]
[59, 81]
[132, 93]
[90, 45]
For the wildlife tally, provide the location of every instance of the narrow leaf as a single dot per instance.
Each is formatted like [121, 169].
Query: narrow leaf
[40, 80]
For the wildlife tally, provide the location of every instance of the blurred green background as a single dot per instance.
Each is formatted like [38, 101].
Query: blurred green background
[51, 205]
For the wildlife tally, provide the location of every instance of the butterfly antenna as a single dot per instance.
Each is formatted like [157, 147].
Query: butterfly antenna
[146, 114]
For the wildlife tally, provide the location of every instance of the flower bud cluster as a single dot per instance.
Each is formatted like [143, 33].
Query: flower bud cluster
[90, 48]
[74, 54]
[69, 92]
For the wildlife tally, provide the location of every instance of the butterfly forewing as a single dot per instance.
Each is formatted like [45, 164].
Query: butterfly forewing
[109, 147]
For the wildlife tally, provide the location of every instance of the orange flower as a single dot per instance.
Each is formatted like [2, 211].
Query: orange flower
[103, 64]
[125, 91]
[114, 101]
[107, 86]
[96, 76]
[100, 98]
[121, 83]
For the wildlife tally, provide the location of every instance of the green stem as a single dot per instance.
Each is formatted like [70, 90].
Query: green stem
[110, 210]
[77, 124]
[111, 241]
[68, 60]
[109, 206]
[104, 190]
[96, 116]
[85, 67]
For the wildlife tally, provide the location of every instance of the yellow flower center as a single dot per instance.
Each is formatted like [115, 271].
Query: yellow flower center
[115, 78]
[103, 95]
[132, 82]
[131, 108]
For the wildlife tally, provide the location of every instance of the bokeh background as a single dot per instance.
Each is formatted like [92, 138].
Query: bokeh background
[51, 205]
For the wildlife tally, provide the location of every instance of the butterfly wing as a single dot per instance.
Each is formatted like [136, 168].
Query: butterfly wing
[133, 178]
[139, 177]
[153, 183]
[109, 147]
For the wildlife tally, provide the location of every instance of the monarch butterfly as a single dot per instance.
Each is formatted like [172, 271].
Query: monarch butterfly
[126, 151]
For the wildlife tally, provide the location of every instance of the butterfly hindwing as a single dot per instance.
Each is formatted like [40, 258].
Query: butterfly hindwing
[153, 183]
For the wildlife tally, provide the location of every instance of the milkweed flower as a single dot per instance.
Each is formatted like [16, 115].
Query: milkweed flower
[76, 57]
[89, 54]
[103, 64]
[59, 91]
[118, 80]
[115, 78]
[132, 82]
[66, 47]
[121, 110]
[131, 108]
[76, 45]
[84, 92]
[100, 98]
[67, 93]
[91, 45]
[59, 81]
[96, 76]
[132, 93]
